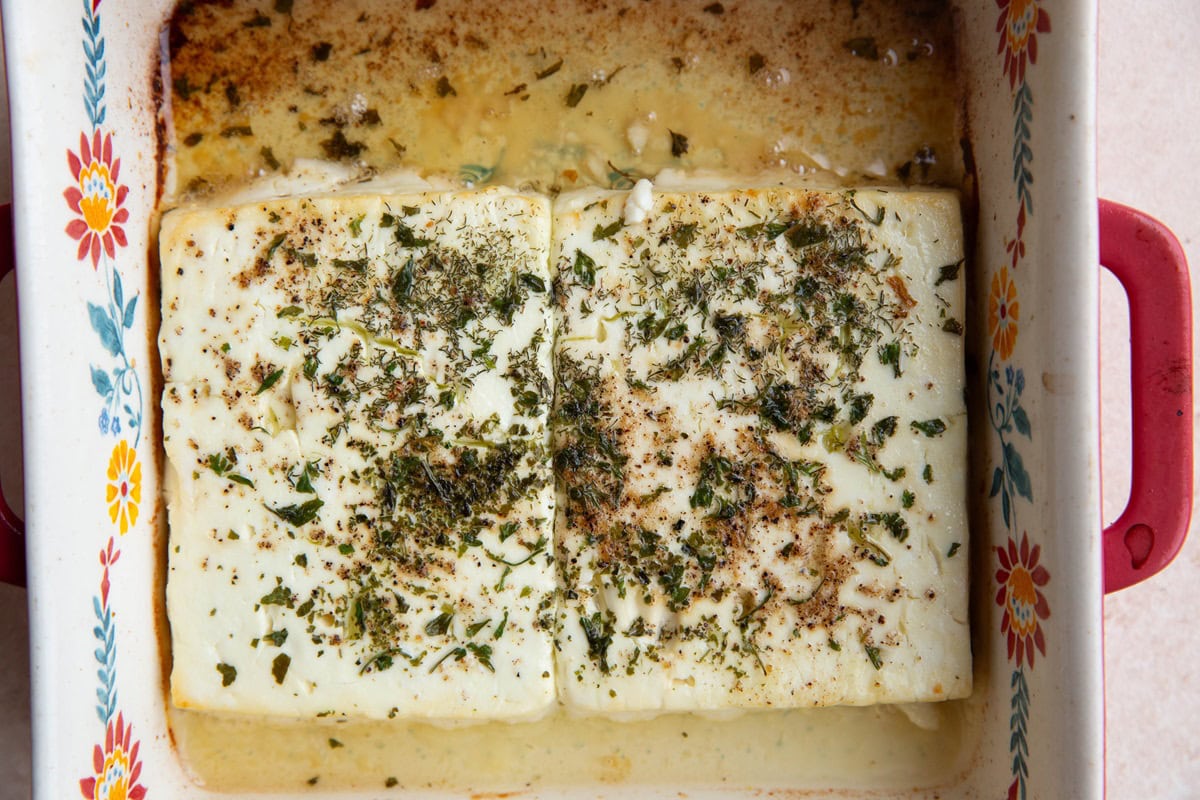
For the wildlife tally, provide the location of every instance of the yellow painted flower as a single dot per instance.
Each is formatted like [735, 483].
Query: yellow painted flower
[124, 491]
[117, 766]
[1003, 313]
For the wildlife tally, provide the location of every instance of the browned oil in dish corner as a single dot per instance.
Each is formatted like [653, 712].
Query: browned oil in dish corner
[552, 98]
[585, 93]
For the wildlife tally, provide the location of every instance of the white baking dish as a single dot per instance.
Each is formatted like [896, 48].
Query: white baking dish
[83, 100]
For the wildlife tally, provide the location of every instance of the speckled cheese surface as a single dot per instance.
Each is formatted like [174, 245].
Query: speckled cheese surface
[760, 435]
[359, 484]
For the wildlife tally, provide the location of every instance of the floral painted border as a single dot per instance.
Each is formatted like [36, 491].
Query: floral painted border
[1019, 575]
[96, 199]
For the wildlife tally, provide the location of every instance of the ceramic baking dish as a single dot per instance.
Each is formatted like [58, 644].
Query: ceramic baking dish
[86, 162]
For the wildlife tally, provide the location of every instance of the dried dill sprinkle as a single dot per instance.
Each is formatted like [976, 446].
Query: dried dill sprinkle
[279, 667]
[576, 94]
[948, 273]
[268, 156]
[339, 148]
[929, 427]
[444, 89]
[550, 70]
[228, 674]
[873, 656]
[679, 144]
[321, 51]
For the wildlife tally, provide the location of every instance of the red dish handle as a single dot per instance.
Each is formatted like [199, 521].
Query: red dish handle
[12, 528]
[1148, 261]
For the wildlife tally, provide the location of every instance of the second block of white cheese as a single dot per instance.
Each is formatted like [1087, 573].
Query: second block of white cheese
[759, 434]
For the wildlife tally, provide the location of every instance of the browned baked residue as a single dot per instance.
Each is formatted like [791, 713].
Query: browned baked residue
[154, 429]
[253, 88]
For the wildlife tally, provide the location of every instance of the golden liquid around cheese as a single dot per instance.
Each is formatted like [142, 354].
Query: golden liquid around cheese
[829, 748]
[554, 96]
[559, 95]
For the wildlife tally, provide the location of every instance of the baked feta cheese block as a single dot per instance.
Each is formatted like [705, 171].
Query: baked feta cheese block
[360, 491]
[760, 438]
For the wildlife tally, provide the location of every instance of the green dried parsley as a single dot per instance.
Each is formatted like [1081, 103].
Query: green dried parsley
[228, 674]
[279, 667]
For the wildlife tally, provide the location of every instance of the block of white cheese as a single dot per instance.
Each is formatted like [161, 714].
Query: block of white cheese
[360, 493]
[760, 445]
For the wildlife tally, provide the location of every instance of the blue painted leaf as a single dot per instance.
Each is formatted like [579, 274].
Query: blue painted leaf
[100, 714]
[100, 380]
[1006, 507]
[129, 309]
[1009, 375]
[100, 655]
[1015, 467]
[97, 607]
[997, 482]
[1021, 420]
[118, 290]
[1019, 384]
[105, 327]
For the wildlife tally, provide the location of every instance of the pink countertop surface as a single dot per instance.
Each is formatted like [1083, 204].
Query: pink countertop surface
[1149, 158]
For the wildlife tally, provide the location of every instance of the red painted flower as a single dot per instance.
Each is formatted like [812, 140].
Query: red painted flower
[96, 197]
[1019, 24]
[117, 766]
[1020, 577]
